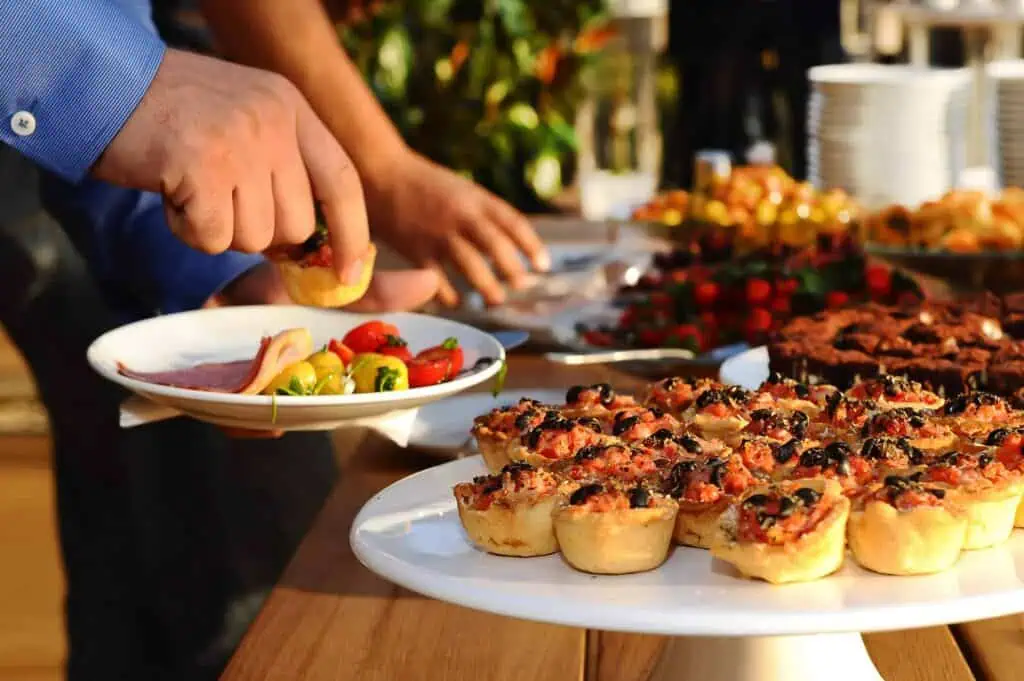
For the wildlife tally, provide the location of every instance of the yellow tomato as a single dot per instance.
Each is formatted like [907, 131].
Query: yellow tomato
[330, 372]
[298, 379]
[374, 373]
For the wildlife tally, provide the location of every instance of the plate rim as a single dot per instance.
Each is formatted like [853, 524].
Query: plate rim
[145, 388]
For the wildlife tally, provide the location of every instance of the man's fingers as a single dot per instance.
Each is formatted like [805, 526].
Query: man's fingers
[476, 270]
[254, 215]
[205, 221]
[491, 240]
[294, 213]
[393, 291]
[337, 188]
[520, 230]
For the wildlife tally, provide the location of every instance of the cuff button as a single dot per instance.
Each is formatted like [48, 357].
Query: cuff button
[23, 123]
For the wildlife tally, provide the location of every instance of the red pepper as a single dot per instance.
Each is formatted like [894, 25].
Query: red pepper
[836, 299]
[705, 294]
[758, 292]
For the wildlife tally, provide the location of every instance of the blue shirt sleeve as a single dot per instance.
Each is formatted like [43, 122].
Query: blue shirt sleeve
[71, 73]
[139, 263]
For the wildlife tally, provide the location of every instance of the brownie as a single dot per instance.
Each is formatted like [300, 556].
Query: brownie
[1013, 324]
[841, 368]
[1013, 302]
[789, 358]
[865, 342]
[1006, 377]
[948, 377]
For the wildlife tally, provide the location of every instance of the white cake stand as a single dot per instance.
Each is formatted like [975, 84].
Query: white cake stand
[727, 628]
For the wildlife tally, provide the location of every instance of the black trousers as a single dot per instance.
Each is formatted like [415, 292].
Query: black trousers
[171, 533]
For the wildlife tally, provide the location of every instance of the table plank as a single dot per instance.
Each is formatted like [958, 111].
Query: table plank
[995, 647]
[331, 619]
[916, 655]
[930, 654]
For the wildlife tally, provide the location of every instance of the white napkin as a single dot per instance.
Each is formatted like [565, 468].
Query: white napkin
[395, 426]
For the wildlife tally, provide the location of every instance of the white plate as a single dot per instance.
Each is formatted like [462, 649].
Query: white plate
[443, 427]
[410, 534]
[748, 369]
[233, 333]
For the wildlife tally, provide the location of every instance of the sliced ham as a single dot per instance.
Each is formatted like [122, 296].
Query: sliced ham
[246, 377]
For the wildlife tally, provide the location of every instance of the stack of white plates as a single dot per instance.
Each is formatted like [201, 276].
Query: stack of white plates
[1009, 91]
[887, 134]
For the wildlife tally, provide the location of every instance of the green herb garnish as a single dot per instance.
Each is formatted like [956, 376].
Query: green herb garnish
[386, 379]
[499, 379]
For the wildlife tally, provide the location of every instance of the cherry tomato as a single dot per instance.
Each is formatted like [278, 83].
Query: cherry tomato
[757, 324]
[627, 317]
[369, 336]
[344, 352]
[758, 291]
[448, 352]
[780, 306]
[424, 372]
[705, 293]
[879, 281]
[836, 299]
[599, 338]
[652, 338]
[786, 287]
[396, 347]
[679, 276]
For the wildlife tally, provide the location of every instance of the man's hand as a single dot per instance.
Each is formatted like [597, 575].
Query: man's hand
[239, 157]
[433, 216]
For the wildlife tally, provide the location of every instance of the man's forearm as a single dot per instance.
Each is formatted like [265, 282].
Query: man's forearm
[296, 39]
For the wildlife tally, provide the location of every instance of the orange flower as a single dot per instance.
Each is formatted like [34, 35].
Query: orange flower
[547, 63]
[459, 55]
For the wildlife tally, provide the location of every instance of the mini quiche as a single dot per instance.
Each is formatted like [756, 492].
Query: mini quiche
[676, 395]
[557, 439]
[510, 514]
[971, 415]
[888, 454]
[923, 432]
[793, 531]
[604, 528]
[721, 411]
[704, 487]
[835, 461]
[496, 431]
[776, 425]
[768, 457]
[901, 527]
[987, 490]
[663, 444]
[616, 461]
[639, 423]
[779, 392]
[891, 392]
[841, 415]
[594, 400]
[1008, 444]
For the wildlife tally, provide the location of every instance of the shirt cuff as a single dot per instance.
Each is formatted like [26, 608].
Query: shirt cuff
[71, 73]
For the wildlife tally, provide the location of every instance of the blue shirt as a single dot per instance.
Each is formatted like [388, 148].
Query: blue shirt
[71, 73]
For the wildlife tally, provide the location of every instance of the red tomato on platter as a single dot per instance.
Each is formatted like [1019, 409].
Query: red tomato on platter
[396, 347]
[448, 352]
[369, 336]
[424, 372]
[836, 299]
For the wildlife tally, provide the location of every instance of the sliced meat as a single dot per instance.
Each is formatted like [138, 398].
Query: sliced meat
[247, 376]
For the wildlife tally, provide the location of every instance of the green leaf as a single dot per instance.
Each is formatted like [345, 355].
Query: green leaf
[499, 379]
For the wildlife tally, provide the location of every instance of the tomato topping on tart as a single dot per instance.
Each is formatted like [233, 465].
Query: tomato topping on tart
[978, 406]
[675, 395]
[766, 455]
[602, 498]
[514, 419]
[905, 493]
[892, 452]
[515, 482]
[634, 425]
[895, 391]
[665, 444]
[781, 514]
[842, 412]
[560, 438]
[904, 422]
[777, 425]
[722, 403]
[835, 460]
[596, 399]
[706, 480]
[962, 468]
[618, 461]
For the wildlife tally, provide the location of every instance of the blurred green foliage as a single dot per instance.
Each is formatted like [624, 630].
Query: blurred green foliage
[486, 87]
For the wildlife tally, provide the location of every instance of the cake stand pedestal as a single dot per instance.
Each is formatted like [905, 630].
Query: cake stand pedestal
[725, 628]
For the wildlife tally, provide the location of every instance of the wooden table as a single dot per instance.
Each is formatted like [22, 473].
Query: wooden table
[330, 619]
